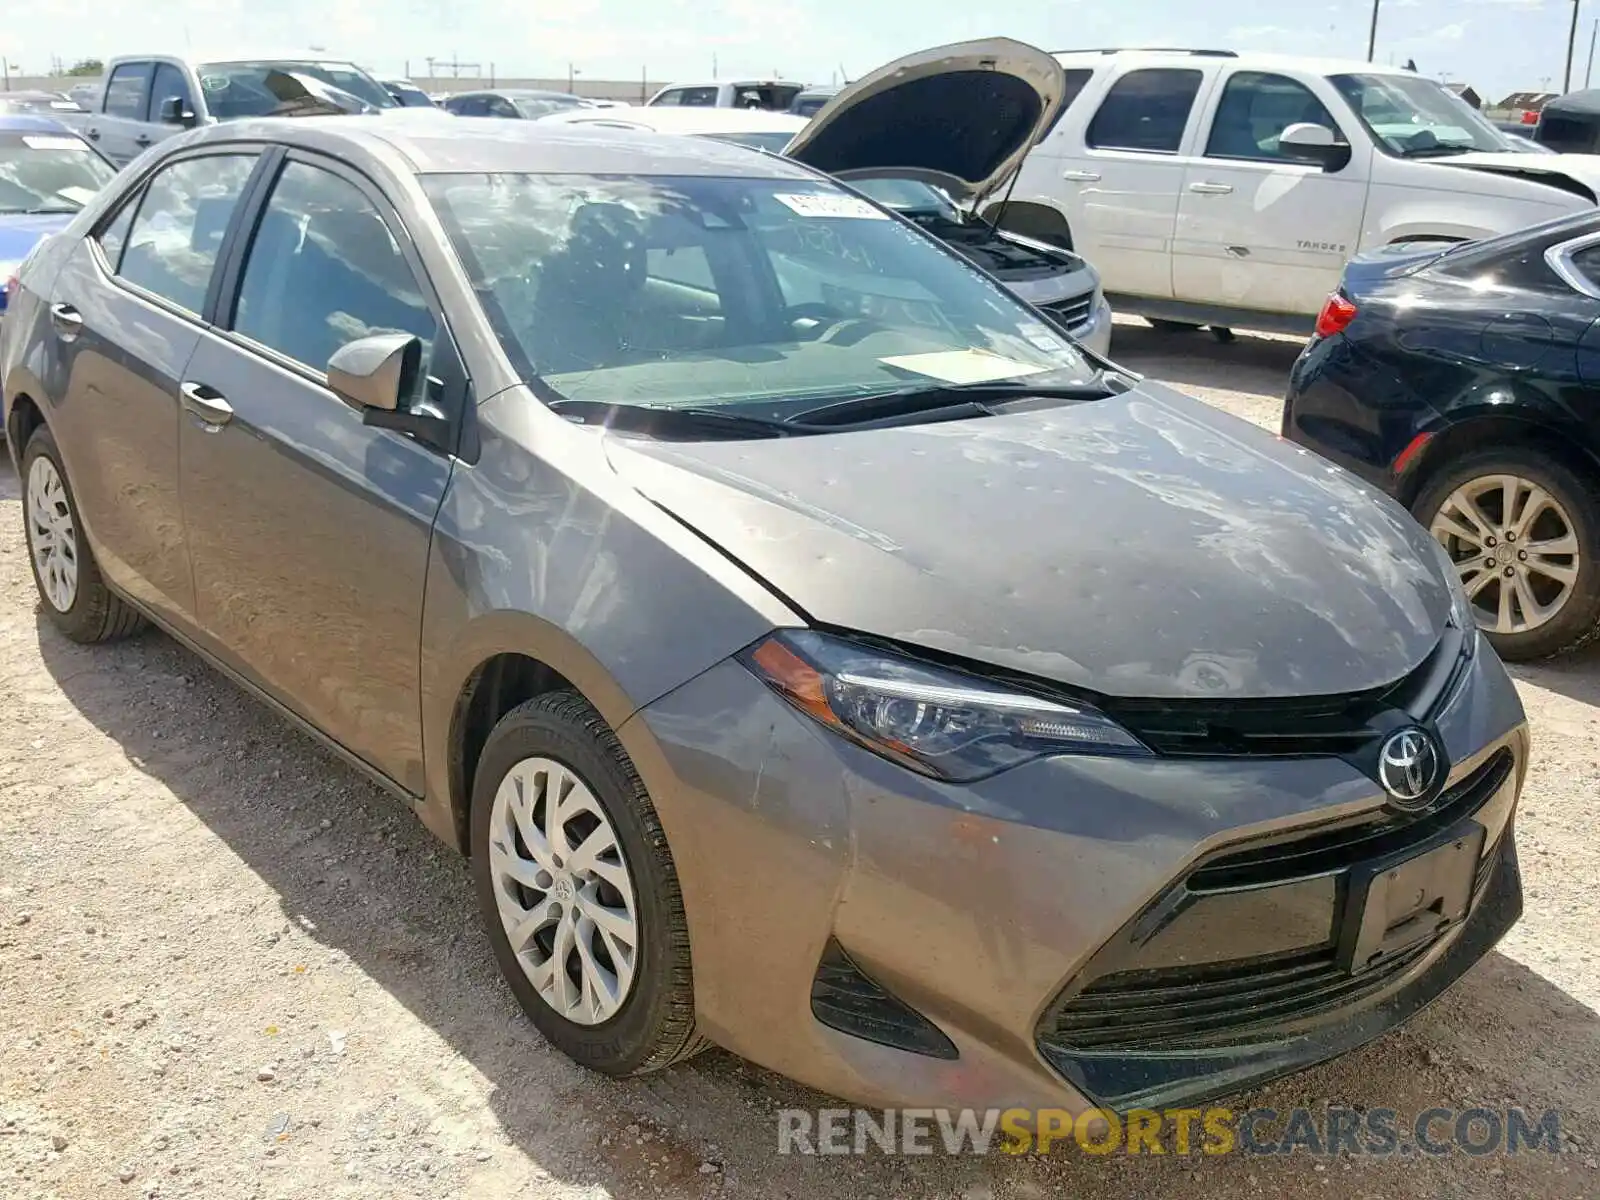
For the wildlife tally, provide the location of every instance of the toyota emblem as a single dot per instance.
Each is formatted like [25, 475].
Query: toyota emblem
[1408, 767]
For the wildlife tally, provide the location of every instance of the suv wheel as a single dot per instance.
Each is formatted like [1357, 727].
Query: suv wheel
[1524, 531]
[577, 887]
[75, 596]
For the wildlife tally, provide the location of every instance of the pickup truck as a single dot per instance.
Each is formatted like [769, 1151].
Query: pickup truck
[1214, 188]
[147, 97]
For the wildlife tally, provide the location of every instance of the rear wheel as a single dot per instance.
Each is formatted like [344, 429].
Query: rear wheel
[578, 890]
[1524, 531]
[76, 598]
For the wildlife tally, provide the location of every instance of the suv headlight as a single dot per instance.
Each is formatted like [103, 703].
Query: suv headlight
[935, 721]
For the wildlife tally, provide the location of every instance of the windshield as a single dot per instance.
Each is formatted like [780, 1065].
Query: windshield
[1413, 117]
[48, 172]
[239, 89]
[909, 196]
[534, 107]
[773, 141]
[761, 294]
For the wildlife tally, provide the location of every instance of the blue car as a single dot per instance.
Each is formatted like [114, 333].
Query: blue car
[47, 173]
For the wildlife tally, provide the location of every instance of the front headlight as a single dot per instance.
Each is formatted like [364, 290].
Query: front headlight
[935, 721]
[1462, 615]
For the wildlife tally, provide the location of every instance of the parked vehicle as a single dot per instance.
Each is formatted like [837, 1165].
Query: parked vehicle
[1520, 138]
[1464, 382]
[1570, 124]
[85, 95]
[149, 97]
[680, 535]
[771, 94]
[1215, 188]
[47, 173]
[809, 102]
[43, 103]
[407, 94]
[857, 145]
[517, 104]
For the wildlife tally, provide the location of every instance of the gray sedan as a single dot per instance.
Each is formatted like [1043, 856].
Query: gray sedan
[813, 650]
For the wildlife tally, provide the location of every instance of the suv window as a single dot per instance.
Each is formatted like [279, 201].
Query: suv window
[169, 84]
[499, 106]
[468, 106]
[1255, 110]
[698, 97]
[324, 269]
[126, 90]
[177, 232]
[673, 97]
[1145, 110]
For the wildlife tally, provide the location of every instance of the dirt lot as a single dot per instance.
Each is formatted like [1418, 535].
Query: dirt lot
[230, 967]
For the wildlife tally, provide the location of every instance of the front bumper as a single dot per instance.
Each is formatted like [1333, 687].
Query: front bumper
[993, 910]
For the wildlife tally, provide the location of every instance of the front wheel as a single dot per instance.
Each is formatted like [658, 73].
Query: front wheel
[578, 890]
[1524, 531]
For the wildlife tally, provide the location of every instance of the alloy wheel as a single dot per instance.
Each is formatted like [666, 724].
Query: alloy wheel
[52, 535]
[563, 891]
[1515, 549]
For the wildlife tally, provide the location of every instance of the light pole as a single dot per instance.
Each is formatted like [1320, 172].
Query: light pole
[572, 74]
[1572, 43]
[1372, 31]
[1589, 70]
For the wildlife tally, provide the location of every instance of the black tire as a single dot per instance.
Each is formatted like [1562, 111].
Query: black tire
[655, 1027]
[1578, 621]
[96, 614]
[1223, 334]
[1166, 326]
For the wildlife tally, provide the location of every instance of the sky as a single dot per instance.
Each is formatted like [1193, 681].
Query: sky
[1499, 46]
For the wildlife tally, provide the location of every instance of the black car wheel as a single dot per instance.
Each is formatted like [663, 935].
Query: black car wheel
[1524, 531]
[76, 598]
[578, 890]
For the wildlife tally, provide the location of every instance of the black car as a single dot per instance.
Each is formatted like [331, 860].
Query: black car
[1465, 381]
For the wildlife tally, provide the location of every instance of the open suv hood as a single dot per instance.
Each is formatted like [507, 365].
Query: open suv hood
[962, 116]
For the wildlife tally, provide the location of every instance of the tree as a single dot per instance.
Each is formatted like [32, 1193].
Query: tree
[87, 66]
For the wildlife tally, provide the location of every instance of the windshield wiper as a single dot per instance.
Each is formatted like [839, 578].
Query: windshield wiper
[666, 420]
[43, 212]
[978, 399]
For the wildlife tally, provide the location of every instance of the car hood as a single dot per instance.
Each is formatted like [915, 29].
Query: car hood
[20, 233]
[1582, 170]
[1140, 546]
[963, 116]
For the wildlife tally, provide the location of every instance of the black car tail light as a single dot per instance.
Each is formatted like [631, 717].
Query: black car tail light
[1337, 313]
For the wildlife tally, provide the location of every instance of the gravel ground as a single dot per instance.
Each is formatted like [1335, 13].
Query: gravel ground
[230, 967]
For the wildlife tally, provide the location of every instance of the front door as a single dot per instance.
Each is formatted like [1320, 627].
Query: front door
[126, 311]
[118, 128]
[308, 530]
[1258, 230]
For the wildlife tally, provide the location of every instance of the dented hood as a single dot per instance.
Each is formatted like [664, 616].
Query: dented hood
[1144, 545]
[1581, 169]
[963, 116]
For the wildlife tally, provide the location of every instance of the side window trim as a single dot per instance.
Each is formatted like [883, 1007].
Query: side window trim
[242, 236]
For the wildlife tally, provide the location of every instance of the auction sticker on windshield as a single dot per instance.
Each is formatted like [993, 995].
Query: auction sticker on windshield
[824, 204]
[46, 142]
[962, 366]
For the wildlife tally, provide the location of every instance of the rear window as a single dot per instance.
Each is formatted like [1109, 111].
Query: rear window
[48, 173]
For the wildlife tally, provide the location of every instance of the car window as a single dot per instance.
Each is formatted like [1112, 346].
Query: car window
[1073, 82]
[468, 106]
[324, 269]
[1145, 110]
[126, 91]
[673, 96]
[253, 89]
[177, 232]
[1254, 111]
[169, 83]
[1411, 116]
[43, 172]
[698, 97]
[115, 235]
[728, 290]
[499, 106]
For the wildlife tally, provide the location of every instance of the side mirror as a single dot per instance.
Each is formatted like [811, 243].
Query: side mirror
[175, 112]
[1310, 142]
[378, 371]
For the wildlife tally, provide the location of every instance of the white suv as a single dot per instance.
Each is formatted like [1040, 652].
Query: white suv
[1211, 188]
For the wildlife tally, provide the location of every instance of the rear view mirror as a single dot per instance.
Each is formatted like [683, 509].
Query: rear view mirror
[378, 371]
[175, 112]
[1310, 142]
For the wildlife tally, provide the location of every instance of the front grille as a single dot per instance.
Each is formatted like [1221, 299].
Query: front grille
[1073, 312]
[1337, 848]
[1152, 1010]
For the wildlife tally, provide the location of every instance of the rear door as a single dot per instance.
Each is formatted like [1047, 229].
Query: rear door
[308, 529]
[1124, 173]
[1257, 228]
[119, 126]
[127, 312]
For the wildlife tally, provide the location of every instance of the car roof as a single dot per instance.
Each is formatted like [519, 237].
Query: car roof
[28, 123]
[668, 119]
[1314, 64]
[513, 147]
[233, 54]
[733, 83]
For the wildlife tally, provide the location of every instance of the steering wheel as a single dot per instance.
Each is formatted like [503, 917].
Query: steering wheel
[826, 317]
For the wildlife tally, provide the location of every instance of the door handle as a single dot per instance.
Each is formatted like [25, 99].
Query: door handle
[93, 134]
[142, 140]
[1211, 189]
[1081, 176]
[205, 402]
[67, 320]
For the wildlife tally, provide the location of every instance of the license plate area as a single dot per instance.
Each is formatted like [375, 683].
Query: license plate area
[1391, 906]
